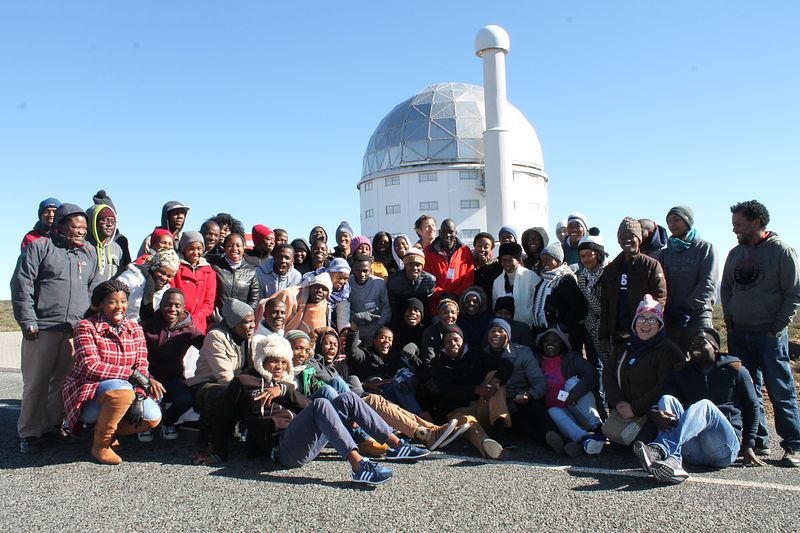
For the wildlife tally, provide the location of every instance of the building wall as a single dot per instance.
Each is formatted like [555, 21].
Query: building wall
[457, 193]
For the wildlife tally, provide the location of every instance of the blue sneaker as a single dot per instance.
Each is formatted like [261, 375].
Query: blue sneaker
[406, 452]
[372, 474]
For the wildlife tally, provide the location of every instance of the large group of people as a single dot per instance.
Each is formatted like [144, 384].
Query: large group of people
[391, 347]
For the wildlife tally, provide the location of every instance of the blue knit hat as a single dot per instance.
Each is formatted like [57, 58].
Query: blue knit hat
[509, 230]
[47, 203]
[344, 227]
[554, 250]
[501, 323]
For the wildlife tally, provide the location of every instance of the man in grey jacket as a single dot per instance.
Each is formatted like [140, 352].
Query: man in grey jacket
[760, 294]
[369, 299]
[50, 294]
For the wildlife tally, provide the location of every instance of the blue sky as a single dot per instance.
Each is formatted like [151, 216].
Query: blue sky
[264, 109]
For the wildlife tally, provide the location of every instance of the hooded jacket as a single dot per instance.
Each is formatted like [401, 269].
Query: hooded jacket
[109, 253]
[167, 207]
[366, 363]
[532, 260]
[658, 241]
[760, 289]
[372, 296]
[526, 376]
[400, 289]
[691, 277]
[270, 282]
[474, 326]
[727, 385]
[166, 347]
[199, 287]
[222, 357]
[453, 275]
[572, 364]
[51, 283]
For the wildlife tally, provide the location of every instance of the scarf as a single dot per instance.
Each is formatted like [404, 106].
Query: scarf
[550, 280]
[636, 346]
[234, 266]
[678, 245]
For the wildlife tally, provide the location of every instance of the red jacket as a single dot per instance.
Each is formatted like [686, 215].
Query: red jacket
[199, 287]
[460, 278]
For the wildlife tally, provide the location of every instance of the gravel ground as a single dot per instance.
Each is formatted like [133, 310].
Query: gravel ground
[157, 488]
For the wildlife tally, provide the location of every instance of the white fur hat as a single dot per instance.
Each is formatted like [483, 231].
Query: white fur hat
[273, 347]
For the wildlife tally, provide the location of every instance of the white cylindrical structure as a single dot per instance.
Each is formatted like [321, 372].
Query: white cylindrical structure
[492, 45]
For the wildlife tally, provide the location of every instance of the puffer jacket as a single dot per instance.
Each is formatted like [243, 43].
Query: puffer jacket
[240, 284]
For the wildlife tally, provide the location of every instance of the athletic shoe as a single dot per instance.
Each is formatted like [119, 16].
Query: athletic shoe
[573, 449]
[555, 441]
[406, 452]
[791, 459]
[145, 436]
[492, 449]
[437, 435]
[669, 471]
[457, 432]
[372, 474]
[593, 445]
[30, 445]
[372, 448]
[762, 451]
[647, 455]
[169, 432]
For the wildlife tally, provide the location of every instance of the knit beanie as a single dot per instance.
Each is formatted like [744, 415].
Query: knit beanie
[509, 230]
[415, 303]
[106, 212]
[168, 258]
[561, 224]
[190, 237]
[234, 311]
[47, 203]
[504, 303]
[358, 241]
[323, 279]
[453, 329]
[510, 248]
[710, 335]
[159, 232]
[592, 242]
[649, 305]
[632, 225]
[501, 323]
[103, 198]
[338, 265]
[415, 254]
[296, 334]
[344, 227]
[260, 233]
[580, 218]
[554, 250]
[684, 213]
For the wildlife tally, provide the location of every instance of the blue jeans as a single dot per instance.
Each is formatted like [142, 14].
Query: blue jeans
[91, 410]
[401, 391]
[703, 435]
[572, 420]
[767, 359]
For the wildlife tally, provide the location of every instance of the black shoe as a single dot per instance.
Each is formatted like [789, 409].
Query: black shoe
[647, 455]
[791, 459]
[30, 445]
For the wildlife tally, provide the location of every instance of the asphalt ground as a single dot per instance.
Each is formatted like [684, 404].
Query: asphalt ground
[157, 488]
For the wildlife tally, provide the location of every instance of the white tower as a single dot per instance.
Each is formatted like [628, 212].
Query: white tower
[492, 45]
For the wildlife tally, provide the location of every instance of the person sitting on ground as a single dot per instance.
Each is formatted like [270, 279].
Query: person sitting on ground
[263, 243]
[148, 283]
[44, 224]
[109, 384]
[410, 330]
[411, 282]
[293, 430]
[302, 256]
[473, 316]
[516, 281]
[196, 280]
[169, 334]
[634, 378]
[226, 352]
[487, 267]
[520, 331]
[339, 295]
[277, 272]
[533, 242]
[569, 398]
[271, 317]
[382, 252]
[173, 217]
[306, 306]
[235, 277]
[102, 220]
[709, 411]
[450, 262]
[432, 337]
[361, 246]
[470, 384]
[306, 380]
[329, 370]
[369, 299]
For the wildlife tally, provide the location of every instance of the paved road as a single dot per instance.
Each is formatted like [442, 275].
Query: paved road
[157, 488]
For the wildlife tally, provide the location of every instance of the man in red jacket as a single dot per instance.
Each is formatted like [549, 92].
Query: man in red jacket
[451, 263]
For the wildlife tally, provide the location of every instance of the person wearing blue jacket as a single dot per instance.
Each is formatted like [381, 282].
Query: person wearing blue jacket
[708, 412]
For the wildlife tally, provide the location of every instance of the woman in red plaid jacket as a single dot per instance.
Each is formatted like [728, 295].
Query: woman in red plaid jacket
[110, 385]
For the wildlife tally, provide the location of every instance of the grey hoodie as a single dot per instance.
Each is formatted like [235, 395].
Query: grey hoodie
[760, 289]
[169, 206]
[51, 283]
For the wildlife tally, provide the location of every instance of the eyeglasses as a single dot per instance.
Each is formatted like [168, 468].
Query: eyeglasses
[651, 320]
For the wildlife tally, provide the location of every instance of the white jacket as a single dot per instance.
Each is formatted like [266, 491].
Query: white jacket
[525, 282]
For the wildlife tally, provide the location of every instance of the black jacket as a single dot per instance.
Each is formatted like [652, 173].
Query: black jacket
[367, 364]
[241, 284]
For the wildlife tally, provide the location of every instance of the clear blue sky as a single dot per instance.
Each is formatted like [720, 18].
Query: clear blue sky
[264, 109]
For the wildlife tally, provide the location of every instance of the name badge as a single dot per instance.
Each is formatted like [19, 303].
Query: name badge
[451, 273]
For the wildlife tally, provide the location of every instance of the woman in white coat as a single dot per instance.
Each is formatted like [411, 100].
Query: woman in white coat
[516, 281]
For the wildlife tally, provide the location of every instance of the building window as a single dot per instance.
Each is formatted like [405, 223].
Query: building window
[428, 206]
[470, 204]
[369, 213]
[427, 176]
[394, 180]
[469, 174]
[368, 186]
[469, 233]
[392, 209]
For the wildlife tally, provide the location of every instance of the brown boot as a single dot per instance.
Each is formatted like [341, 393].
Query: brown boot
[126, 429]
[113, 406]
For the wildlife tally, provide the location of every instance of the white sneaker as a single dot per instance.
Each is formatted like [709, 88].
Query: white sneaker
[145, 436]
[169, 432]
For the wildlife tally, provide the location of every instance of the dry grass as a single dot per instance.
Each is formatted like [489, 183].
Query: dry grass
[7, 322]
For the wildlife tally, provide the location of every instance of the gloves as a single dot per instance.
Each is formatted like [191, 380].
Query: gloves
[140, 380]
[365, 317]
[135, 413]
